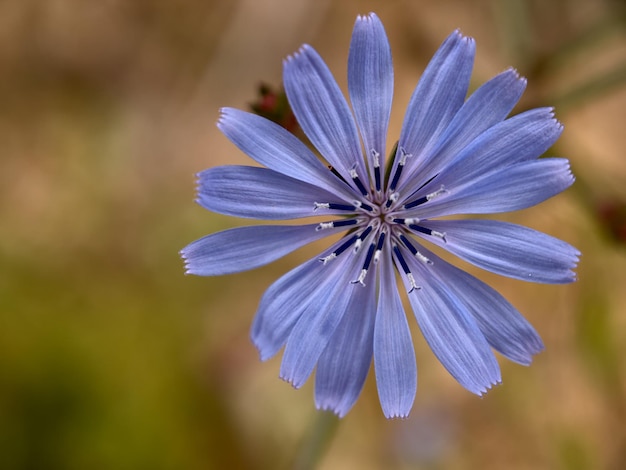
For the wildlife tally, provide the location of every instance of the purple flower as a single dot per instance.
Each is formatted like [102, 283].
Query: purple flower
[454, 156]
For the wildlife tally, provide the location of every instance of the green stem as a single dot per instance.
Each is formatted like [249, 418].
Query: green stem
[316, 441]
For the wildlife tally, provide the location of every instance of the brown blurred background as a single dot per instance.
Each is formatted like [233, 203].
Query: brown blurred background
[111, 358]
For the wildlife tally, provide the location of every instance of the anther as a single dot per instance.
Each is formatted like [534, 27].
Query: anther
[379, 247]
[336, 223]
[424, 199]
[437, 193]
[328, 258]
[441, 235]
[396, 176]
[414, 285]
[343, 247]
[408, 222]
[362, 205]
[377, 178]
[405, 268]
[361, 278]
[414, 251]
[355, 177]
[361, 238]
[366, 265]
[393, 198]
[427, 231]
[337, 174]
[320, 205]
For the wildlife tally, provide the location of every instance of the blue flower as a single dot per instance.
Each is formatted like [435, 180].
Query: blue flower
[454, 156]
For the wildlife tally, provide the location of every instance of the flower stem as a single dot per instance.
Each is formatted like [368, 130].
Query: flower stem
[316, 441]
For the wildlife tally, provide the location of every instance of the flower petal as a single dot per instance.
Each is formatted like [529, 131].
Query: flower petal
[521, 138]
[260, 193]
[508, 249]
[243, 248]
[394, 355]
[451, 331]
[505, 329]
[516, 187]
[370, 82]
[282, 305]
[322, 314]
[343, 366]
[322, 112]
[277, 149]
[486, 107]
[438, 96]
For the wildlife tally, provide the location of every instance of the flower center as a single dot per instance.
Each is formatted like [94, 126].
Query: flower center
[375, 222]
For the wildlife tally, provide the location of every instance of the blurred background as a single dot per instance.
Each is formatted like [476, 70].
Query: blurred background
[111, 358]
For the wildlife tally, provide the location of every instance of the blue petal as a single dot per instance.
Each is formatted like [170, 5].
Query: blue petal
[343, 366]
[438, 96]
[486, 107]
[244, 248]
[370, 82]
[508, 249]
[322, 112]
[274, 147]
[260, 193]
[515, 187]
[520, 138]
[451, 331]
[505, 329]
[394, 356]
[322, 314]
[282, 304]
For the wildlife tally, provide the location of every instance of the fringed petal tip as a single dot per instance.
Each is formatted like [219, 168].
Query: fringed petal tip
[293, 381]
[515, 72]
[304, 50]
[526, 358]
[370, 17]
[483, 391]
[266, 352]
[394, 415]
[457, 35]
[183, 255]
[338, 411]
[225, 113]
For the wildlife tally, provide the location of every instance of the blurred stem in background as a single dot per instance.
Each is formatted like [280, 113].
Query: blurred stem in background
[316, 441]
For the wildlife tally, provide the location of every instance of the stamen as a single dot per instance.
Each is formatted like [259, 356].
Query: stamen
[428, 231]
[377, 178]
[366, 265]
[355, 177]
[414, 285]
[393, 198]
[361, 278]
[379, 247]
[415, 252]
[339, 250]
[327, 259]
[396, 177]
[426, 198]
[337, 174]
[362, 205]
[437, 193]
[408, 222]
[405, 268]
[336, 223]
[361, 238]
[441, 235]
[320, 205]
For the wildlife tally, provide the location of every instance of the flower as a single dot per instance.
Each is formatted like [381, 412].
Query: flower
[454, 156]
